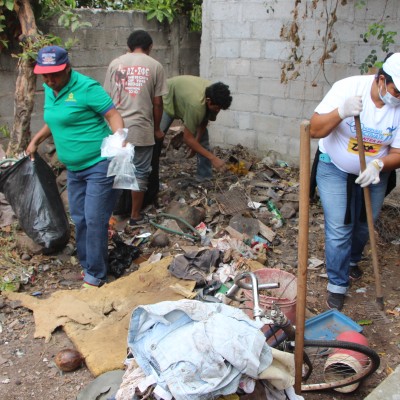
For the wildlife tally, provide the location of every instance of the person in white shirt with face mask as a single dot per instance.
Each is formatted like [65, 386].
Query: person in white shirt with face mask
[376, 99]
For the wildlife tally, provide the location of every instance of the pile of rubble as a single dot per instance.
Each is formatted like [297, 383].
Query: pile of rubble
[248, 212]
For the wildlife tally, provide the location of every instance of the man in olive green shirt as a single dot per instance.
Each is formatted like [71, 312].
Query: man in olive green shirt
[195, 101]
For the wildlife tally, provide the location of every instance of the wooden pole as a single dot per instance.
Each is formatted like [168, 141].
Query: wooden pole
[304, 203]
[370, 219]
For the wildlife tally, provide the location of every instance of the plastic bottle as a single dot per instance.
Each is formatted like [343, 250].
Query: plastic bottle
[278, 219]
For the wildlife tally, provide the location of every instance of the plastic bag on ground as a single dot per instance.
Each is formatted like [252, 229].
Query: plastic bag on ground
[31, 190]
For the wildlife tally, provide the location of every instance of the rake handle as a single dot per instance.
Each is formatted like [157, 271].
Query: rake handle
[370, 220]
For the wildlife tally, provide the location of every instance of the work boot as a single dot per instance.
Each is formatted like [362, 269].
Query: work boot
[355, 273]
[335, 300]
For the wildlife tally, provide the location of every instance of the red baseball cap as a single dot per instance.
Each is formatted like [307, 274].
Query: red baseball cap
[51, 59]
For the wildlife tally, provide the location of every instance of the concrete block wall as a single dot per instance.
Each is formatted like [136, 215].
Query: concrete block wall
[242, 46]
[174, 46]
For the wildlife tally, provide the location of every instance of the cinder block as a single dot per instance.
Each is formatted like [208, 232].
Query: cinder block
[233, 30]
[265, 104]
[265, 69]
[281, 9]
[276, 142]
[266, 123]
[217, 134]
[288, 108]
[255, 11]
[277, 50]
[273, 86]
[244, 102]
[217, 66]
[227, 49]
[138, 20]
[115, 19]
[94, 17]
[304, 90]
[309, 107]
[291, 126]
[294, 147]
[98, 38]
[238, 136]
[227, 118]
[250, 49]
[224, 11]
[269, 29]
[248, 85]
[238, 67]
[245, 120]
[216, 29]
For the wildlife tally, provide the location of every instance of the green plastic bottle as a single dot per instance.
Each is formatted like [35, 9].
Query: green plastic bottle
[278, 219]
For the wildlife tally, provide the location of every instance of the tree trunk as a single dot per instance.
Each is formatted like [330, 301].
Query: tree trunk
[25, 85]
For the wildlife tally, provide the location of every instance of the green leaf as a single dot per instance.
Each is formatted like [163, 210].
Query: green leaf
[10, 4]
[363, 322]
[74, 25]
[151, 14]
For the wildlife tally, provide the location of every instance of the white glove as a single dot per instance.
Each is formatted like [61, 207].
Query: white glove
[370, 174]
[351, 107]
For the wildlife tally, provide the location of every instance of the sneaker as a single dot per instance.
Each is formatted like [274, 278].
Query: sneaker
[355, 273]
[335, 300]
[143, 220]
[203, 179]
[86, 285]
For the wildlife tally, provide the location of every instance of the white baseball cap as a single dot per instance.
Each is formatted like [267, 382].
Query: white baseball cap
[392, 67]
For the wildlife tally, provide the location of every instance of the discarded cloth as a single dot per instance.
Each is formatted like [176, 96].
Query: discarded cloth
[195, 265]
[195, 350]
[281, 372]
[130, 381]
[272, 393]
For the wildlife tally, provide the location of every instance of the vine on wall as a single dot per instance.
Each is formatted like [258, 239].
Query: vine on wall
[290, 69]
[325, 13]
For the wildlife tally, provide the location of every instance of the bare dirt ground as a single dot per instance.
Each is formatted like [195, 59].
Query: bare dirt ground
[27, 368]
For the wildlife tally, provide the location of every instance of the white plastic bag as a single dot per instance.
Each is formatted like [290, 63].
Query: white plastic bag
[122, 167]
[112, 144]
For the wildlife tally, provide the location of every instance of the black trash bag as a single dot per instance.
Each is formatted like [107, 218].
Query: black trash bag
[31, 190]
[121, 256]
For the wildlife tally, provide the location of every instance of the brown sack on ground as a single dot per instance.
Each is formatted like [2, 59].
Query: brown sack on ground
[97, 319]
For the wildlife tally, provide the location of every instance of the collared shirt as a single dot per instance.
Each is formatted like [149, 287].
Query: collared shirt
[76, 120]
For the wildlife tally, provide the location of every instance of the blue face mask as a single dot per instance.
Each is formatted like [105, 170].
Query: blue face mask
[388, 99]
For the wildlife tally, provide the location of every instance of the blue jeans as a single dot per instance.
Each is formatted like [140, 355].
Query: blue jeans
[91, 201]
[344, 243]
[204, 167]
[142, 163]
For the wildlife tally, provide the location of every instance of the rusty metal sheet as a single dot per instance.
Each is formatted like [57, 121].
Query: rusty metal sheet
[233, 201]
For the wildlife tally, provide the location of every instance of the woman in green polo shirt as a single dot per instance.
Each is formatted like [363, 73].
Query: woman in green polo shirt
[76, 112]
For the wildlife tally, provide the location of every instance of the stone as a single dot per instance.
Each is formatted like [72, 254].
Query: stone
[192, 215]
